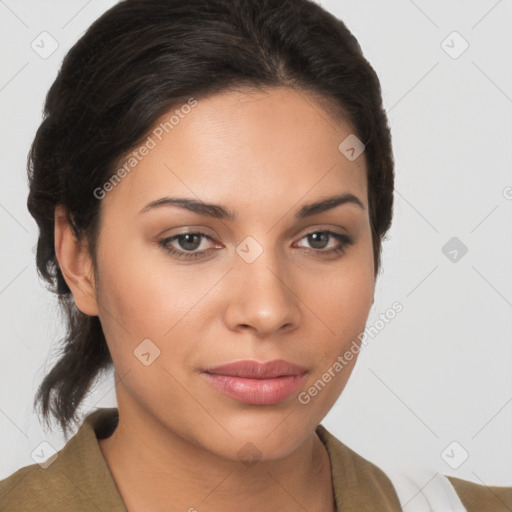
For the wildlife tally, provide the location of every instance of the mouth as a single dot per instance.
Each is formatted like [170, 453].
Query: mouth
[256, 383]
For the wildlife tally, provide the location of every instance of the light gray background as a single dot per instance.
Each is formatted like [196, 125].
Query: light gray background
[440, 371]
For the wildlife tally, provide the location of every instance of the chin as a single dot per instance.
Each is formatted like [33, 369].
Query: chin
[266, 440]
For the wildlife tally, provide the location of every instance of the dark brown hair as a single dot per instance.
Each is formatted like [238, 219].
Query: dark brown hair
[137, 61]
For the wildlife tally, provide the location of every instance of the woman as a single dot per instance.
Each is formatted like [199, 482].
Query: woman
[212, 182]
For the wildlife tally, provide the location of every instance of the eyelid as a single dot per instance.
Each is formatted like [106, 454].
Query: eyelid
[323, 227]
[201, 234]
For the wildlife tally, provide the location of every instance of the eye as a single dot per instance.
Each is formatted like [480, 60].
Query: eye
[187, 243]
[319, 240]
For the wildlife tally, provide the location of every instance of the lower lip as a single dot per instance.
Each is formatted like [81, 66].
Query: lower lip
[257, 391]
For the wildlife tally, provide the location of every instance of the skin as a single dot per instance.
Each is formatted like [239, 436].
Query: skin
[262, 155]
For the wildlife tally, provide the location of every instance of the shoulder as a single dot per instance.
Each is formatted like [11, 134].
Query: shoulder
[481, 498]
[355, 478]
[75, 478]
[30, 486]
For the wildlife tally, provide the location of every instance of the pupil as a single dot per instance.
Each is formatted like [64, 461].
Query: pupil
[187, 243]
[314, 238]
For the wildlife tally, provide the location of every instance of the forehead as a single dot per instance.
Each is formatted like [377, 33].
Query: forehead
[243, 149]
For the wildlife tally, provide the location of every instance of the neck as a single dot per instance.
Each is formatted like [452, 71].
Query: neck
[152, 465]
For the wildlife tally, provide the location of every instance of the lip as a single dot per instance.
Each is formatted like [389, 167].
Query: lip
[257, 383]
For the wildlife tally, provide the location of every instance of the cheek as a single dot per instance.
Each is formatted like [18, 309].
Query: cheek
[343, 306]
[344, 309]
[146, 305]
[144, 292]
[350, 289]
[146, 296]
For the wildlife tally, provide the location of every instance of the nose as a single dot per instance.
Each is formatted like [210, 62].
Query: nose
[261, 296]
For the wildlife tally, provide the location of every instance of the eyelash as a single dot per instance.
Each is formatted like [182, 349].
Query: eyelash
[344, 240]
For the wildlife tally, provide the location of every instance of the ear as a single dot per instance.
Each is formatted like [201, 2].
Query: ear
[75, 264]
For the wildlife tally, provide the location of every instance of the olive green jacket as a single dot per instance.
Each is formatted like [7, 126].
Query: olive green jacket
[79, 479]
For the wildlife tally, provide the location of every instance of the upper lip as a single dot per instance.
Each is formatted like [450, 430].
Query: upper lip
[251, 369]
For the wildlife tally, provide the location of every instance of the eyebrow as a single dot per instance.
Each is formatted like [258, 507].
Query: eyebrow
[219, 212]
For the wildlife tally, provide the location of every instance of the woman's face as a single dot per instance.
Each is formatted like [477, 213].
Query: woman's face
[266, 284]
